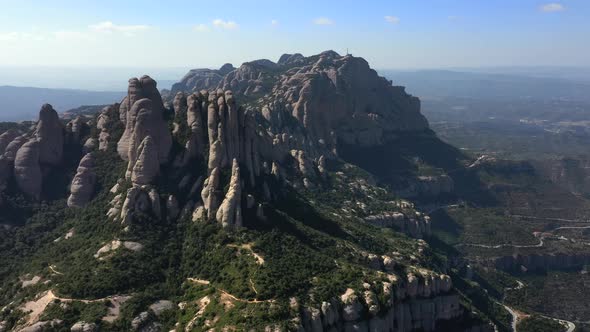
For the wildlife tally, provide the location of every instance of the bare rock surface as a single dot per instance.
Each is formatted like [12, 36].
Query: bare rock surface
[230, 211]
[50, 134]
[147, 165]
[27, 171]
[143, 114]
[82, 187]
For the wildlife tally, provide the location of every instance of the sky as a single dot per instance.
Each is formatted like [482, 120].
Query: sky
[388, 33]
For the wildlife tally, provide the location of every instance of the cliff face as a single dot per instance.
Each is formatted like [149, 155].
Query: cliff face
[201, 79]
[25, 156]
[335, 98]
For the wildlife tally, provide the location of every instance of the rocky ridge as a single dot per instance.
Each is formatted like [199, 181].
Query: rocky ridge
[236, 147]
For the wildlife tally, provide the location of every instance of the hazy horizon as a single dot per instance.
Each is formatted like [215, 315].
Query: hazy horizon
[114, 78]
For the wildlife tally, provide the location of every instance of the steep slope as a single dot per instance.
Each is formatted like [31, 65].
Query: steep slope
[232, 211]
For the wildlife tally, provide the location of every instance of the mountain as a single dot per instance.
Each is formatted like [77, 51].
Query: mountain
[304, 195]
[22, 103]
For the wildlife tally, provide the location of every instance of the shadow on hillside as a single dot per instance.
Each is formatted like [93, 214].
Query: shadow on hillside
[395, 161]
[295, 206]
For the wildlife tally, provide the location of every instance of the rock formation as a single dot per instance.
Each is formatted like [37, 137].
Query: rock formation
[412, 304]
[230, 211]
[82, 187]
[180, 103]
[211, 193]
[147, 165]
[12, 147]
[104, 122]
[7, 137]
[27, 171]
[143, 112]
[336, 98]
[417, 225]
[137, 200]
[75, 129]
[201, 79]
[49, 133]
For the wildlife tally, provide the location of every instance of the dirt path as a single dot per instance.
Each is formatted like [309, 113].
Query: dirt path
[38, 306]
[231, 296]
[248, 246]
[252, 285]
[203, 303]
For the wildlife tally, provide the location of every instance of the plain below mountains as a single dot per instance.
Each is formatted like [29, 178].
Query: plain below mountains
[22, 103]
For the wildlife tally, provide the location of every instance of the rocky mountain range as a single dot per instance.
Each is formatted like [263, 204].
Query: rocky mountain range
[268, 197]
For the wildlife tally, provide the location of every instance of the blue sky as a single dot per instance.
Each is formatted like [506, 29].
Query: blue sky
[388, 33]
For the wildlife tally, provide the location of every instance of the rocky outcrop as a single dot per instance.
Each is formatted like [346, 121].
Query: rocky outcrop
[147, 165]
[416, 226]
[90, 145]
[104, 122]
[82, 187]
[415, 303]
[107, 250]
[27, 171]
[7, 137]
[136, 201]
[195, 146]
[84, 327]
[230, 211]
[337, 99]
[211, 193]
[75, 130]
[50, 135]
[143, 112]
[180, 103]
[291, 59]
[12, 147]
[49, 325]
[201, 79]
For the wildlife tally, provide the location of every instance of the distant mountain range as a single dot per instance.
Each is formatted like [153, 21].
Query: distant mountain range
[23, 103]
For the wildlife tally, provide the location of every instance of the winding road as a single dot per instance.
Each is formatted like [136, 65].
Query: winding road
[516, 316]
[539, 235]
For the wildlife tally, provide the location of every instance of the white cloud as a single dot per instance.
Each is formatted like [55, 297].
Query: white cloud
[65, 35]
[274, 23]
[227, 25]
[19, 36]
[323, 21]
[392, 19]
[110, 27]
[552, 7]
[201, 28]
[9, 36]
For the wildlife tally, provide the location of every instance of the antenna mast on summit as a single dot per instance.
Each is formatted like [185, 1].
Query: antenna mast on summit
[347, 51]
